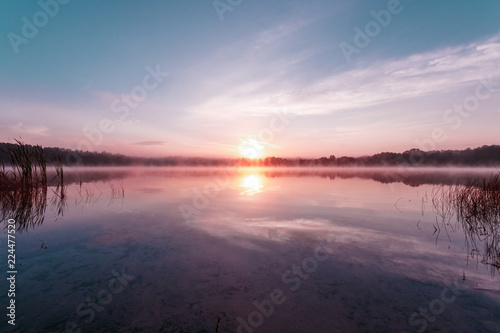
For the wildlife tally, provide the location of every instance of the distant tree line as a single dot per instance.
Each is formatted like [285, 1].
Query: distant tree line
[481, 156]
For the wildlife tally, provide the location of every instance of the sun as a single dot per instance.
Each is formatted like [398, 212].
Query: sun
[250, 148]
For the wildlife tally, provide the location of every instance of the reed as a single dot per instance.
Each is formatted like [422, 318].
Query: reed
[477, 208]
[24, 204]
[479, 200]
[117, 192]
[28, 166]
[23, 185]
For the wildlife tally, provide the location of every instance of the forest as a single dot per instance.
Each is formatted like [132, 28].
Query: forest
[481, 156]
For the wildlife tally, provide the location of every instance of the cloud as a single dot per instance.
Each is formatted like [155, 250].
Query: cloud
[419, 75]
[149, 143]
[20, 129]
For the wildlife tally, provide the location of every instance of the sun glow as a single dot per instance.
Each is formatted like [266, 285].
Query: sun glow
[252, 184]
[250, 148]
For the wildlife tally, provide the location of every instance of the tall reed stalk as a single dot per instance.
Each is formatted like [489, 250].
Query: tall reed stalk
[23, 186]
[477, 208]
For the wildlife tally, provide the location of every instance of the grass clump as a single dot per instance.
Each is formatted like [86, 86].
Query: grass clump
[23, 185]
[477, 208]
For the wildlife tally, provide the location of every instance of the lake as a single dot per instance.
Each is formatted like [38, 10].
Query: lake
[250, 250]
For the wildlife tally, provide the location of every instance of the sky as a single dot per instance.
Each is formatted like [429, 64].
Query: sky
[254, 78]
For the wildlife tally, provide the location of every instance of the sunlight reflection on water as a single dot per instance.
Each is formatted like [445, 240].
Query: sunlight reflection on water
[252, 184]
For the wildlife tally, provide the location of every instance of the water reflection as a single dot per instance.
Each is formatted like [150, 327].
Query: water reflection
[59, 199]
[476, 206]
[409, 176]
[252, 184]
[25, 204]
[247, 239]
[29, 207]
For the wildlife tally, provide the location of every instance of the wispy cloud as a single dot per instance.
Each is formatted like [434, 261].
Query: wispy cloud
[415, 76]
[419, 75]
[149, 143]
[21, 129]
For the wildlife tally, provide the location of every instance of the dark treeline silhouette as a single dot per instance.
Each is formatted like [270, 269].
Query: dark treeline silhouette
[86, 158]
[481, 156]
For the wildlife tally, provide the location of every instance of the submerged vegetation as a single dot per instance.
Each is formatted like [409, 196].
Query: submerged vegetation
[477, 208]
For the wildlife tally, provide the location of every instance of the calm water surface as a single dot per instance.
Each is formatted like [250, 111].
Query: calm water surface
[288, 250]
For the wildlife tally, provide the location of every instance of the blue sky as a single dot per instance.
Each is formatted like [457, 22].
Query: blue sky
[269, 74]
